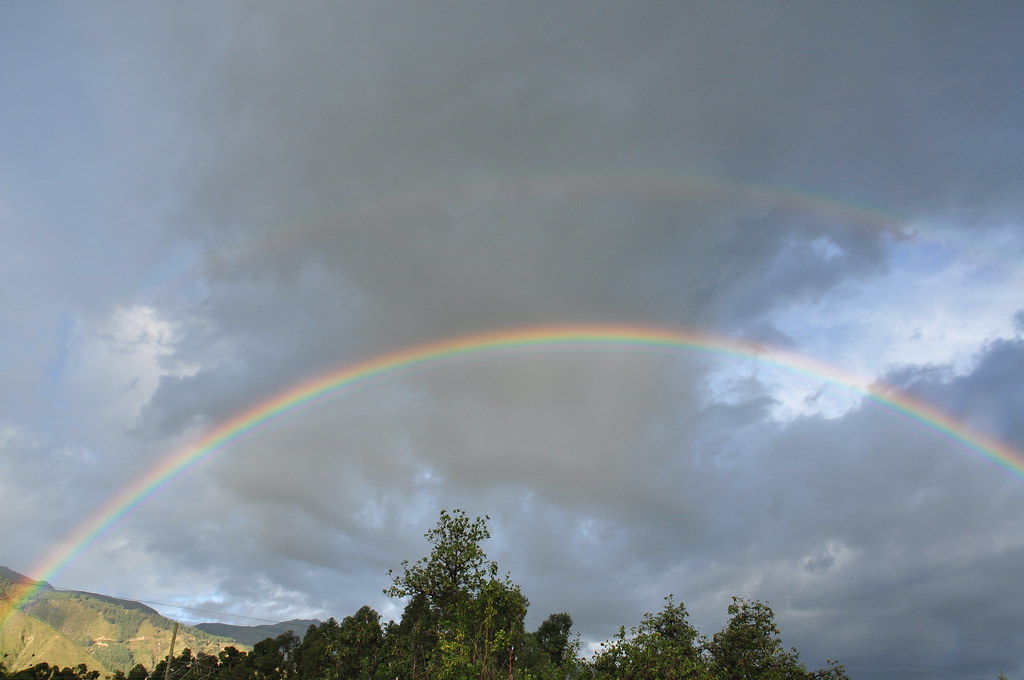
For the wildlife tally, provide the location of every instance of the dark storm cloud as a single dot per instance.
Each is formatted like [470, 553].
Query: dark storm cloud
[988, 398]
[867, 532]
[310, 131]
[263, 193]
[383, 161]
[367, 176]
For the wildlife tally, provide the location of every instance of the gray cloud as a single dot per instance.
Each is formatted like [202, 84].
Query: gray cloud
[208, 204]
[871, 535]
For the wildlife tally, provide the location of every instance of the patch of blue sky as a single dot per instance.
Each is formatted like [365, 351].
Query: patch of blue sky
[940, 301]
[987, 252]
[790, 393]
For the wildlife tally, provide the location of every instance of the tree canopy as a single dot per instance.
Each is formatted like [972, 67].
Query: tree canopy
[464, 620]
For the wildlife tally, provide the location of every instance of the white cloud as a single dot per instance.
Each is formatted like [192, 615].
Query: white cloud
[117, 362]
[938, 304]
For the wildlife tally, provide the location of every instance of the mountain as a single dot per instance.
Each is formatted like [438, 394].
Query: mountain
[14, 576]
[66, 628]
[250, 635]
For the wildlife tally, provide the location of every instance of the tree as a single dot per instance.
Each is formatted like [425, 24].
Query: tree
[349, 650]
[750, 648]
[363, 639]
[462, 620]
[231, 663]
[457, 566]
[410, 643]
[44, 671]
[664, 645]
[553, 637]
[316, 657]
[549, 653]
[138, 672]
[271, 659]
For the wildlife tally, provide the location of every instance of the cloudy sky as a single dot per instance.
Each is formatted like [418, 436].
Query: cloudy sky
[204, 204]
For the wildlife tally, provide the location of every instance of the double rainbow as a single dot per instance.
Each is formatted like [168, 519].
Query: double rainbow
[481, 347]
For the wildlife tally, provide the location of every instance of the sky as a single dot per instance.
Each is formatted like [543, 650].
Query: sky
[203, 205]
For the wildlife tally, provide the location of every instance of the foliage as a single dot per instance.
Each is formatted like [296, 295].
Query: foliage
[350, 649]
[550, 652]
[464, 621]
[750, 647]
[553, 637]
[44, 671]
[456, 569]
[664, 645]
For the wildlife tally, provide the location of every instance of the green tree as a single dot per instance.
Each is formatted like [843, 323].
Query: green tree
[349, 650]
[270, 659]
[553, 637]
[44, 671]
[410, 644]
[363, 640]
[462, 619]
[549, 653]
[664, 645]
[232, 664]
[317, 656]
[138, 672]
[456, 568]
[750, 648]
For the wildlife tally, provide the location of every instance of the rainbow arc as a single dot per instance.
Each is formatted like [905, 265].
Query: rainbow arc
[483, 347]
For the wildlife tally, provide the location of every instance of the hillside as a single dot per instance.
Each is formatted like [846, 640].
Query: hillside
[65, 628]
[26, 641]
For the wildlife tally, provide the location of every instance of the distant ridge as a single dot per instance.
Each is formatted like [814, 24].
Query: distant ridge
[250, 635]
[15, 577]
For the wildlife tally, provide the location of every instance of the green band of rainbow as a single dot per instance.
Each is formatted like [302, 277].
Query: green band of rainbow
[485, 346]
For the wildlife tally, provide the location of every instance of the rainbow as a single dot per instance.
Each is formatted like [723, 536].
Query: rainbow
[585, 184]
[484, 346]
[673, 184]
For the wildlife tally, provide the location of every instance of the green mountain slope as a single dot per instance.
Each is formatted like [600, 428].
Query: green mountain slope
[26, 641]
[65, 628]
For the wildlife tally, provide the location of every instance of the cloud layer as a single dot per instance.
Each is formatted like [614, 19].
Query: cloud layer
[203, 205]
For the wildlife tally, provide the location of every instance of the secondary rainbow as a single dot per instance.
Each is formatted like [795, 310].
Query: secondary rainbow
[480, 347]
